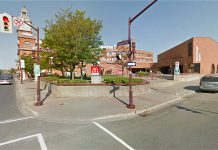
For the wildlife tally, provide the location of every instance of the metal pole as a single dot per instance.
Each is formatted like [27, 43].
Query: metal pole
[21, 75]
[130, 105]
[38, 100]
[38, 92]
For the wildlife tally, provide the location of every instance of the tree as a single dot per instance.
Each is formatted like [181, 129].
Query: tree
[75, 39]
[29, 64]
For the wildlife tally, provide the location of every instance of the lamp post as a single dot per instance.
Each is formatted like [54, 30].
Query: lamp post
[130, 20]
[38, 98]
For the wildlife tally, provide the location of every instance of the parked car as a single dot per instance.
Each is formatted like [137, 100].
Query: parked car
[5, 80]
[209, 83]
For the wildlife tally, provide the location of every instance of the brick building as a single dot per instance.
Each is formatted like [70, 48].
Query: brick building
[196, 55]
[110, 64]
[26, 39]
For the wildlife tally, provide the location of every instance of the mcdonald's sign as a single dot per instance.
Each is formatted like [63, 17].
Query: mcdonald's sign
[95, 70]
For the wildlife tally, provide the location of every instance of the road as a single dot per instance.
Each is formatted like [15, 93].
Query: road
[191, 124]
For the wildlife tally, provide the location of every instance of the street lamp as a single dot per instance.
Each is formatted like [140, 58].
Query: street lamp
[130, 20]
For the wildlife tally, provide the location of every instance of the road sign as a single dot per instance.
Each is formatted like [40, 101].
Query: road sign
[18, 22]
[176, 69]
[130, 64]
[22, 64]
[124, 42]
[37, 70]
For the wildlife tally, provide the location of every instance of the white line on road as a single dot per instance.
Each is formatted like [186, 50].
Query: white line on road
[113, 135]
[8, 121]
[39, 136]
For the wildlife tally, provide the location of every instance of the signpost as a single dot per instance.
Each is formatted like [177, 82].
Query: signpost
[131, 64]
[176, 70]
[95, 75]
[124, 42]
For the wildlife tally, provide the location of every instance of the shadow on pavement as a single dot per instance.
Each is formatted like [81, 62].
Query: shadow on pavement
[188, 109]
[115, 88]
[48, 92]
[192, 88]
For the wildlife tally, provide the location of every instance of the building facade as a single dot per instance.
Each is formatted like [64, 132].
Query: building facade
[111, 64]
[196, 55]
[26, 40]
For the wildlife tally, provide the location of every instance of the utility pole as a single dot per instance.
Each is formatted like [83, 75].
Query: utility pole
[130, 20]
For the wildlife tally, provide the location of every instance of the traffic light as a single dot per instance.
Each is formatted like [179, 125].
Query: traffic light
[5, 23]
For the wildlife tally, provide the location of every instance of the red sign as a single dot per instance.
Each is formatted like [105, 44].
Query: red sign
[18, 22]
[95, 70]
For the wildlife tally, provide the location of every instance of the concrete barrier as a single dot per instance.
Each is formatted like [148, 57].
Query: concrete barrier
[96, 90]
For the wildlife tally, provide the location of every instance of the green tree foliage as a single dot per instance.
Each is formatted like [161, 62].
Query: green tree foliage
[29, 64]
[75, 38]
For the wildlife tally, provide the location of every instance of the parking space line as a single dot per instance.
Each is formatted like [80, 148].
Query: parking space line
[113, 135]
[9, 121]
[39, 136]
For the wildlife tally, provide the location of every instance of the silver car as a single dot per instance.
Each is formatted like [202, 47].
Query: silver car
[5, 80]
[209, 83]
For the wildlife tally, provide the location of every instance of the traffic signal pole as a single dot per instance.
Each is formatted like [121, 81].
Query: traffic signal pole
[130, 20]
[38, 92]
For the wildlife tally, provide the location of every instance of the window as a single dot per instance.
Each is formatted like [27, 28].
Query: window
[190, 49]
[27, 44]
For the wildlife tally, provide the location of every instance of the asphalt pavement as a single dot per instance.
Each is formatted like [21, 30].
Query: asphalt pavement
[162, 93]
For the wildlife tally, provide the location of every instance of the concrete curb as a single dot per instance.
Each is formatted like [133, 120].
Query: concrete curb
[146, 110]
[27, 111]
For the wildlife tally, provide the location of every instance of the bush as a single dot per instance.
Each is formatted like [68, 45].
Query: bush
[51, 78]
[120, 80]
[142, 74]
[75, 81]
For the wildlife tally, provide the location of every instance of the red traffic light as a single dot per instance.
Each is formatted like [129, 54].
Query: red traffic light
[5, 19]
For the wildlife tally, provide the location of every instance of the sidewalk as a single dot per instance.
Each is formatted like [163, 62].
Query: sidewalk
[79, 109]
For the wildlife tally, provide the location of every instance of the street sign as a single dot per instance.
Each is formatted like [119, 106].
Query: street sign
[130, 64]
[17, 21]
[22, 64]
[36, 70]
[124, 42]
[176, 69]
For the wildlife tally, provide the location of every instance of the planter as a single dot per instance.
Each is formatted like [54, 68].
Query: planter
[96, 90]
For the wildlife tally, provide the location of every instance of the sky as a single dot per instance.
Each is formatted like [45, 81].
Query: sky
[164, 25]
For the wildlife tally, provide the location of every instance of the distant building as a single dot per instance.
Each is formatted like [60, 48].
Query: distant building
[110, 64]
[196, 55]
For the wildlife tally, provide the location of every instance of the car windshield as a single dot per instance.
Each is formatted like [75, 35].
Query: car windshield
[4, 78]
[210, 79]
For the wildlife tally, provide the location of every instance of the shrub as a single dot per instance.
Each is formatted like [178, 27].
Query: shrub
[142, 74]
[51, 78]
[75, 81]
[120, 80]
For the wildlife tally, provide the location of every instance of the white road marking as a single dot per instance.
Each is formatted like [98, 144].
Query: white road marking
[39, 136]
[9, 121]
[113, 135]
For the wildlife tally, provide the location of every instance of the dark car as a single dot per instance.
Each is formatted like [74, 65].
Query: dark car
[209, 83]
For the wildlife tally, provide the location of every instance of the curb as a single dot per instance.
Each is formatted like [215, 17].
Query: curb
[146, 110]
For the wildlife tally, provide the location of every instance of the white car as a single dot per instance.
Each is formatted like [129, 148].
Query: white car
[209, 83]
[5, 80]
